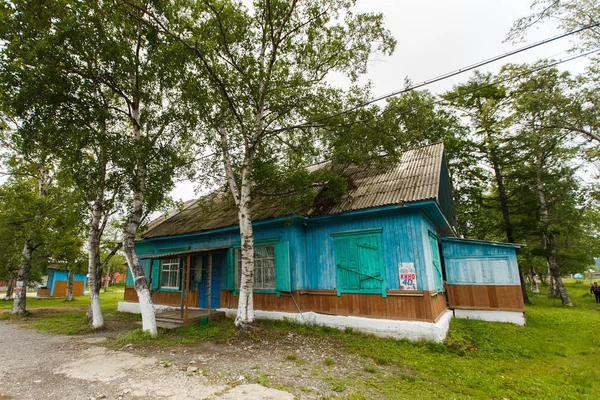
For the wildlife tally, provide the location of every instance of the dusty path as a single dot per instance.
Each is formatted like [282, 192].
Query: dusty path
[39, 366]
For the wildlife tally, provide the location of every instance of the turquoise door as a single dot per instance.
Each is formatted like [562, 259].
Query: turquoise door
[359, 263]
[435, 259]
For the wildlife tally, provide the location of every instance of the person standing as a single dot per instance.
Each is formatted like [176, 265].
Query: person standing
[595, 289]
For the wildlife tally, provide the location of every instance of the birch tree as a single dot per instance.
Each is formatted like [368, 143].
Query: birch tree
[120, 88]
[258, 71]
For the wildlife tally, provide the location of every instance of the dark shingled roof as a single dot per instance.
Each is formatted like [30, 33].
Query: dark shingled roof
[415, 178]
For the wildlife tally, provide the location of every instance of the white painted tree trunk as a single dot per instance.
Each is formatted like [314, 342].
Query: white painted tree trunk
[245, 313]
[20, 302]
[94, 310]
[129, 233]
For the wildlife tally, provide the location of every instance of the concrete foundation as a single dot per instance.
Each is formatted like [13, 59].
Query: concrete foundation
[513, 317]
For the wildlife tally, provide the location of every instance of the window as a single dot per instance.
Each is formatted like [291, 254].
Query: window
[264, 267]
[169, 273]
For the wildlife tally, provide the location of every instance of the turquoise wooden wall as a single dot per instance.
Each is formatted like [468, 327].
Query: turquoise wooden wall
[404, 239]
[292, 231]
[59, 275]
[472, 262]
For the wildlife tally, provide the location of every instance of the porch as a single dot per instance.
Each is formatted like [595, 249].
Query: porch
[176, 318]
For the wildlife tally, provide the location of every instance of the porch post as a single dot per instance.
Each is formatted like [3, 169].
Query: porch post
[208, 281]
[187, 288]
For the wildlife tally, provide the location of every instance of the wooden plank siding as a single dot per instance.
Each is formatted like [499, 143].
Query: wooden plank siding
[399, 305]
[486, 297]
[60, 288]
[165, 298]
[43, 292]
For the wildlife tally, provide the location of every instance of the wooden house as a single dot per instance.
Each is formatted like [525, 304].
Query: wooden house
[56, 285]
[372, 260]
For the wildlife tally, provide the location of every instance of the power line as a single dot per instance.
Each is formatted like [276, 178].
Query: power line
[442, 77]
[479, 88]
[439, 78]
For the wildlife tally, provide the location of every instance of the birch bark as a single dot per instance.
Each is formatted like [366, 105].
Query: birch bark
[94, 310]
[130, 230]
[548, 241]
[534, 285]
[20, 302]
[70, 277]
[242, 197]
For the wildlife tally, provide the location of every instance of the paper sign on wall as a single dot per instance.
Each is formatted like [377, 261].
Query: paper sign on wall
[408, 276]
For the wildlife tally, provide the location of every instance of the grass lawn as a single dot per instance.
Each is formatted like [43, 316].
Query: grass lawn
[48, 315]
[555, 356]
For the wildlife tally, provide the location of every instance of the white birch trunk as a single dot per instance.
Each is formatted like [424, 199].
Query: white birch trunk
[70, 277]
[129, 233]
[94, 310]
[534, 285]
[107, 279]
[548, 244]
[245, 313]
[20, 302]
[9, 290]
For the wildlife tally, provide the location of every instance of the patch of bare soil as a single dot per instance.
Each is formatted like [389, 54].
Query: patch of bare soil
[306, 366]
[45, 310]
[243, 367]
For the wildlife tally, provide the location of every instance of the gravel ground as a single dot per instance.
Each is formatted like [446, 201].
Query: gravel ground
[39, 366]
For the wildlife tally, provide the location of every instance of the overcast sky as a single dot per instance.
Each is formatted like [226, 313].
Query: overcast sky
[435, 37]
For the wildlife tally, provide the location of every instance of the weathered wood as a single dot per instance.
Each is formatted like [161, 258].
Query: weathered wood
[187, 289]
[486, 297]
[418, 308]
[209, 280]
[164, 298]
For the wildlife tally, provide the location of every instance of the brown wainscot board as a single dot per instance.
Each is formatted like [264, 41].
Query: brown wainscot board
[398, 305]
[164, 298]
[486, 297]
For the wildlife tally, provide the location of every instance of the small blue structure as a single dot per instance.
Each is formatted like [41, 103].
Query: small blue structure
[375, 255]
[57, 283]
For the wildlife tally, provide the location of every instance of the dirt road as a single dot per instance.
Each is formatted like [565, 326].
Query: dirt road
[40, 366]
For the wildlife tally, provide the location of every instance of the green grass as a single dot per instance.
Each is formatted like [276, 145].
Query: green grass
[555, 356]
[71, 322]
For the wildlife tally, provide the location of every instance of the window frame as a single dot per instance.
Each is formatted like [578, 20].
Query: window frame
[170, 262]
[238, 268]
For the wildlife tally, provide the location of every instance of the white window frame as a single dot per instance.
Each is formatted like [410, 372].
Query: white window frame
[174, 267]
[261, 261]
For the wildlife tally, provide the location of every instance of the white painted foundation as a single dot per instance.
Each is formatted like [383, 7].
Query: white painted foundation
[134, 308]
[411, 330]
[513, 317]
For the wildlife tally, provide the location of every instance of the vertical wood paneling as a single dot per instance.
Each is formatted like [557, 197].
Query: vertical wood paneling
[486, 297]
[423, 307]
[163, 298]
[479, 263]
[60, 289]
[402, 241]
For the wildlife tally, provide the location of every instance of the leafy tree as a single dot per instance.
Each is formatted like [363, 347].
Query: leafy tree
[544, 153]
[255, 73]
[116, 80]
